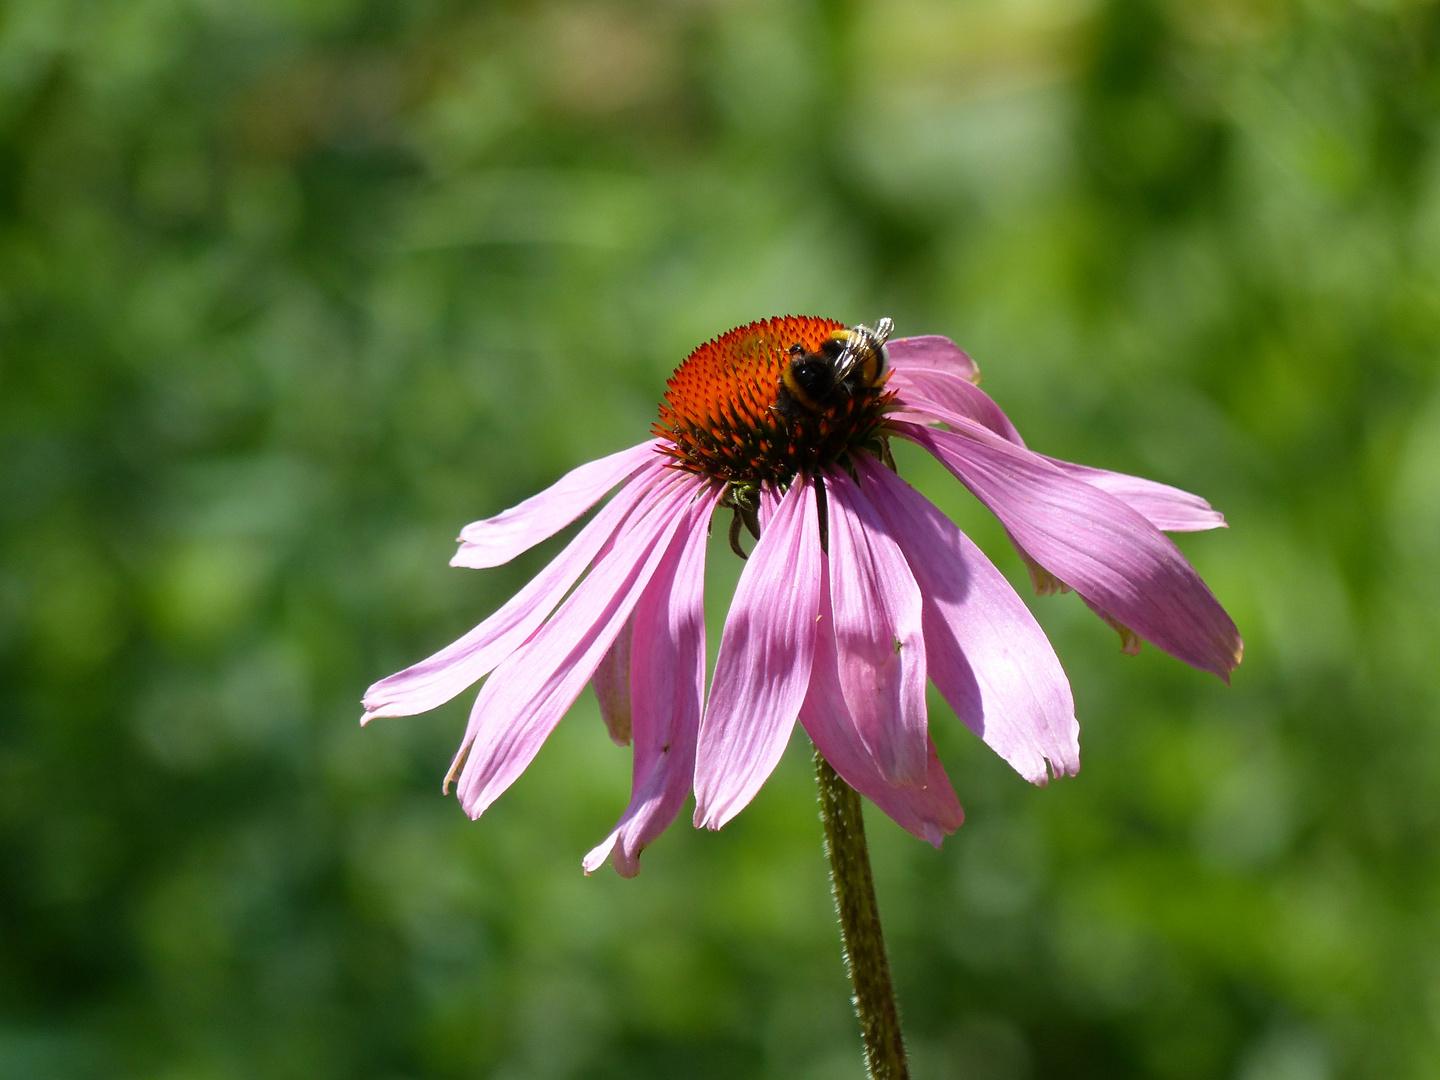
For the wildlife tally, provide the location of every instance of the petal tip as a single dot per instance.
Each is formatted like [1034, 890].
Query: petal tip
[710, 817]
[627, 866]
[1237, 654]
[596, 858]
[463, 558]
[1059, 769]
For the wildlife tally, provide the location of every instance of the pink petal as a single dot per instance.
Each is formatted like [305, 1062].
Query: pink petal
[667, 681]
[1167, 508]
[931, 352]
[938, 395]
[876, 606]
[612, 686]
[764, 662]
[935, 394]
[987, 655]
[1093, 542]
[930, 812]
[770, 497]
[499, 539]
[526, 696]
[438, 678]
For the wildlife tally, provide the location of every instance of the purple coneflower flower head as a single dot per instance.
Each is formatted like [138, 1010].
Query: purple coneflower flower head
[857, 591]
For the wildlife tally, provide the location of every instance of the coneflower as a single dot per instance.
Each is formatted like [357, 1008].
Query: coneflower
[857, 592]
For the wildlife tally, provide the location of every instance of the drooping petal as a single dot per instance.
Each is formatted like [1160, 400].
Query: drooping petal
[526, 696]
[986, 653]
[439, 677]
[1093, 542]
[876, 606]
[612, 686]
[931, 352]
[930, 812]
[770, 497]
[764, 662]
[1168, 508]
[667, 681]
[940, 396]
[499, 539]
[934, 393]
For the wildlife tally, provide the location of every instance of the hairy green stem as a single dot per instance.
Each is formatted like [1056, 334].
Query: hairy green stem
[854, 890]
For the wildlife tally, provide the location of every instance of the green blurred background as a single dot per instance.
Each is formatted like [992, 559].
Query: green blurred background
[290, 291]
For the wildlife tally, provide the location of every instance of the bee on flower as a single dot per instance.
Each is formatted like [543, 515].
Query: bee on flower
[857, 590]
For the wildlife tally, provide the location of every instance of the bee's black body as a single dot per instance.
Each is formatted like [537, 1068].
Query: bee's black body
[846, 364]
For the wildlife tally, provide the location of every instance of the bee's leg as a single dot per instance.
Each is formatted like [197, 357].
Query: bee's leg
[735, 535]
[751, 519]
[885, 455]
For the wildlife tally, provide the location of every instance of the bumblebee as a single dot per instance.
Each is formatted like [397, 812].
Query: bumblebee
[846, 364]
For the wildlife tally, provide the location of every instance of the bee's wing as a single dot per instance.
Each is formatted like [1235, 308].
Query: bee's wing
[851, 355]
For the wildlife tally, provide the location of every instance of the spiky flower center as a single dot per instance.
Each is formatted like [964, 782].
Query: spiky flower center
[724, 413]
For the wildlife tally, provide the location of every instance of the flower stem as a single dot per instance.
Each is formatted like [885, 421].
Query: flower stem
[854, 890]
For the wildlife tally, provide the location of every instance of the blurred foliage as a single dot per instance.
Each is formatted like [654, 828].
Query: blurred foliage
[291, 291]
